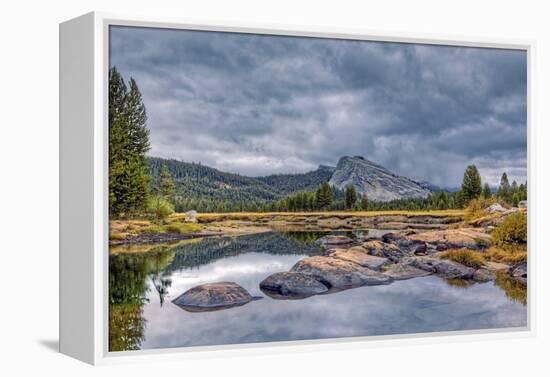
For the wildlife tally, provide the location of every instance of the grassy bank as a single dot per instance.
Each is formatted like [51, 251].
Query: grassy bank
[120, 229]
[275, 216]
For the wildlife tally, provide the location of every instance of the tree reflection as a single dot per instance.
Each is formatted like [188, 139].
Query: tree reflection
[212, 249]
[514, 289]
[128, 275]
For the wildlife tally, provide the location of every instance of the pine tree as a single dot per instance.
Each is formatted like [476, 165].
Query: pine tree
[128, 143]
[523, 191]
[166, 184]
[364, 201]
[323, 196]
[504, 188]
[471, 184]
[350, 196]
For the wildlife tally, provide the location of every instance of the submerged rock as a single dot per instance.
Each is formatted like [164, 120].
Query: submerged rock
[359, 255]
[402, 271]
[339, 274]
[292, 285]
[213, 296]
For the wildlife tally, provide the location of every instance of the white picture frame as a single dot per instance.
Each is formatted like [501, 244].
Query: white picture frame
[84, 47]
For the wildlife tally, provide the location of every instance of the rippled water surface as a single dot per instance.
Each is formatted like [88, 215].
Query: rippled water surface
[142, 286]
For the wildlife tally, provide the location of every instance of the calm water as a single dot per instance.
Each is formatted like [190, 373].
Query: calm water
[143, 285]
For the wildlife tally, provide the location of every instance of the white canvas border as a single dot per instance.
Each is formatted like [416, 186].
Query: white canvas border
[100, 215]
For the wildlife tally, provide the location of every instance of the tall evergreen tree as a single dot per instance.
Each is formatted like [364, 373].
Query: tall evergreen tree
[504, 188]
[166, 184]
[471, 184]
[350, 196]
[323, 196]
[364, 201]
[128, 143]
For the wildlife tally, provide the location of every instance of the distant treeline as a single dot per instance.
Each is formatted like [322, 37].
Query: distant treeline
[327, 198]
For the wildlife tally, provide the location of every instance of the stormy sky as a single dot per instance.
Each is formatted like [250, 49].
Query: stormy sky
[259, 105]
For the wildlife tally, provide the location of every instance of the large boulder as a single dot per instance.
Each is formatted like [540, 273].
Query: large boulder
[442, 267]
[332, 240]
[404, 243]
[522, 204]
[292, 285]
[470, 238]
[519, 272]
[191, 216]
[339, 274]
[359, 255]
[213, 296]
[402, 271]
[496, 266]
[383, 250]
[494, 208]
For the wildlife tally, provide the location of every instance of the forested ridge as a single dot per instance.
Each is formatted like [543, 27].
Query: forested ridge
[200, 182]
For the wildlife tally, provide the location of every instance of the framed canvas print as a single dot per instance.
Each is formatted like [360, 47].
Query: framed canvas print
[226, 187]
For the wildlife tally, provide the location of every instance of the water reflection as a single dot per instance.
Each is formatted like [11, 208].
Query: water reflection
[141, 286]
[515, 289]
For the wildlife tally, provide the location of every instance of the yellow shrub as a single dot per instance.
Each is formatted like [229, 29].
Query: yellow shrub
[512, 230]
[466, 257]
[507, 254]
[476, 208]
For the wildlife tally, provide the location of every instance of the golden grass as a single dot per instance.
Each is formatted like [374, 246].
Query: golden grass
[282, 216]
[120, 229]
[182, 228]
[507, 254]
[476, 208]
[466, 257]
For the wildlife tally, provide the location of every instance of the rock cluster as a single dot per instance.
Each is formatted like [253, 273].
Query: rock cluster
[350, 264]
[396, 256]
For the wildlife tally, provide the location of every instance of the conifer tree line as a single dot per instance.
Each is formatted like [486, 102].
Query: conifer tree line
[507, 194]
[327, 198]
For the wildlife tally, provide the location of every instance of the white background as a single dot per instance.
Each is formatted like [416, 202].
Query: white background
[29, 185]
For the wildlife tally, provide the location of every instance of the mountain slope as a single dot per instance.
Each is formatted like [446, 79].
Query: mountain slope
[379, 183]
[291, 183]
[202, 182]
[197, 181]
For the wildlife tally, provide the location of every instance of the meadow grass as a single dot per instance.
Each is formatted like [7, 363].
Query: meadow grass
[466, 257]
[121, 229]
[507, 253]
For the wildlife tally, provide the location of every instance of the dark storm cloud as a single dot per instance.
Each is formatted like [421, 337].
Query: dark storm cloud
[259, 105]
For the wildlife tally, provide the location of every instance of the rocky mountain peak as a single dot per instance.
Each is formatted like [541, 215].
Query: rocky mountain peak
[379, 183]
